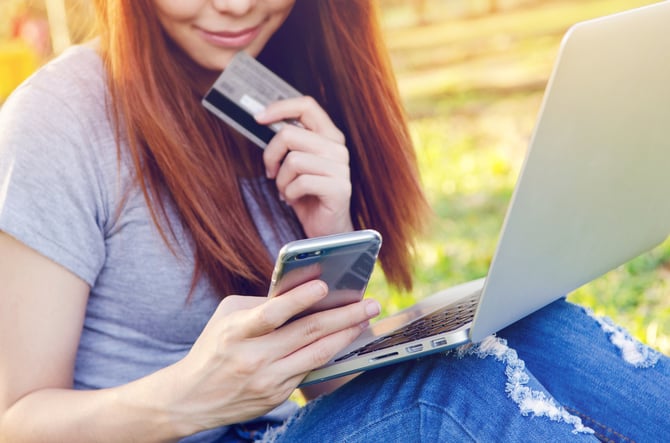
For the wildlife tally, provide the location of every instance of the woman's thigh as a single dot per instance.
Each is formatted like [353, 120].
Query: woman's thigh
[482, 393]
[619, 387]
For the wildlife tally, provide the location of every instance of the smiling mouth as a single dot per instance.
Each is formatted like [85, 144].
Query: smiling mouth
[231, 39]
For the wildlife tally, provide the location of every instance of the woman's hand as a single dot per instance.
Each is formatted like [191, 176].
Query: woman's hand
[310, 165]
[247, 360]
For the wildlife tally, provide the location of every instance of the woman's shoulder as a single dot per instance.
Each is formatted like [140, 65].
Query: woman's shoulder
[71, 85]
[78, 67]
[61, 107]
[58, 117]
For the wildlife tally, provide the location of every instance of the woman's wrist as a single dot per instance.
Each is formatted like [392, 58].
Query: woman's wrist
[155, 401]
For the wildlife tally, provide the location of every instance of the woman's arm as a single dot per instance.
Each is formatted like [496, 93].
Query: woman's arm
[42, 308]
[243, 364]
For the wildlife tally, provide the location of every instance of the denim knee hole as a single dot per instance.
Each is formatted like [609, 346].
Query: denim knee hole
[530, 402]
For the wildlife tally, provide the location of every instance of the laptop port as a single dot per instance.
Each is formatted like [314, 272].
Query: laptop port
[382, 357]
[438, 342]
[414, 348]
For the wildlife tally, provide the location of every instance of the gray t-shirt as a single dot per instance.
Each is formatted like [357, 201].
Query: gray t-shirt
[61, 191]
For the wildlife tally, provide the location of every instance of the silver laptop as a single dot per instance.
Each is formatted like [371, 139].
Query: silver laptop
[593, 193]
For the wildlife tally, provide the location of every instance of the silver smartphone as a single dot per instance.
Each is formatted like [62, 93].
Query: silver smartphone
[343, 261]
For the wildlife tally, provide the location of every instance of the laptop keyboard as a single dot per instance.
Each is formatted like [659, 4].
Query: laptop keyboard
[440, 321]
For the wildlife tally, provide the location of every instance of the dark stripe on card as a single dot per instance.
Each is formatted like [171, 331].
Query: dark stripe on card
[242, 117]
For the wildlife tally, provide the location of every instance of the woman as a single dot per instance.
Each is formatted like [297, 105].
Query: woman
[129, 217]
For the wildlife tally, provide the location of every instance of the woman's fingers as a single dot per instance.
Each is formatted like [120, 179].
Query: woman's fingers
[266, 329]
[292, 139]
[318, 133]
[309, 329]
[293, 369]
[308, 174]
[276, 311]
[311, 165]
[304, 110]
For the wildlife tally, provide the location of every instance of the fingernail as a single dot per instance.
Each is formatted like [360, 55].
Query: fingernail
[372, 308]
[260, 115]
[320, 288]
[364, 325]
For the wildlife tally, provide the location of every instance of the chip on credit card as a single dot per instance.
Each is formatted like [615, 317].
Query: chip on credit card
[243, 90]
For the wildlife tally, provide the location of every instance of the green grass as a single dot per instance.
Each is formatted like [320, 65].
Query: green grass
[472, 87]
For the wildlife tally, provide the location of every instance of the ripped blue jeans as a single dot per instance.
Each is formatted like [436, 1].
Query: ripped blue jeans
[560, 374]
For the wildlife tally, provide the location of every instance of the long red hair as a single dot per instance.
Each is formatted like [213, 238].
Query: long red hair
[187, 158]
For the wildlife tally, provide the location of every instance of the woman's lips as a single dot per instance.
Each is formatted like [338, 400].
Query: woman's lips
[228, 39]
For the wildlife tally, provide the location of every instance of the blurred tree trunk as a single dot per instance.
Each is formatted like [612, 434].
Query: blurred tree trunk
[57, 16]
[420, 10]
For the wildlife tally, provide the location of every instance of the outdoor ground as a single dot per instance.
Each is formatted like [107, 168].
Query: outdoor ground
[472, 87]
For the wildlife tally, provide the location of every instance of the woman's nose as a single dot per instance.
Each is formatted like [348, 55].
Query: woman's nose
[234, 7]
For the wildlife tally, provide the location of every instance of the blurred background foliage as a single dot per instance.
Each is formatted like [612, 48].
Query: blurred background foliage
[471, 74]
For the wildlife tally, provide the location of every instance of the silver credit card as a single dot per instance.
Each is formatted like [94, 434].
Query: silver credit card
[243, 90]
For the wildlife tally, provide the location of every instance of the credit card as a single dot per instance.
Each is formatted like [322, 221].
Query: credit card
[244, 89]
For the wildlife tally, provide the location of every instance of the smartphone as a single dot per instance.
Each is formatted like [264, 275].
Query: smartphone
[343, 261]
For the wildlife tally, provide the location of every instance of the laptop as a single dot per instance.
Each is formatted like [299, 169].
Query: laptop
[592, 194]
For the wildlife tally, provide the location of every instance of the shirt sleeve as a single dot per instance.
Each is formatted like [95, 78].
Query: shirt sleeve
[49, 193]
